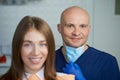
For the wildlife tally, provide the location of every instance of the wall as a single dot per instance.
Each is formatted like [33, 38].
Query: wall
[106, 27]
[48, 10]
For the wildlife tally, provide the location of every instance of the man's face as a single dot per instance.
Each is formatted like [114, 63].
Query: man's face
[74, 28]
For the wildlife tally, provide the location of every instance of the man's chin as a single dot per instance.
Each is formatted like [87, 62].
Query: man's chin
[75, 46]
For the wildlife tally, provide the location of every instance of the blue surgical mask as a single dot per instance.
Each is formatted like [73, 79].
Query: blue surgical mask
[73, 54]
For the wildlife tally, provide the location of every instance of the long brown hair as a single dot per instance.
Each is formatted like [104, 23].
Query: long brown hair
[16, 70]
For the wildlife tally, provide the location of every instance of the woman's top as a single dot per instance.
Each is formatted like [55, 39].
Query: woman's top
[60, 76]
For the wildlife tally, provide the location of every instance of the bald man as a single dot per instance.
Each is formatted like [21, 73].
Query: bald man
[78, 58]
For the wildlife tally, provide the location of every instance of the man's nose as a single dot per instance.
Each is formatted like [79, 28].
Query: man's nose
[76, 31]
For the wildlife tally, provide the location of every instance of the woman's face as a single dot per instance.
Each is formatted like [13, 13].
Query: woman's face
[34, 51]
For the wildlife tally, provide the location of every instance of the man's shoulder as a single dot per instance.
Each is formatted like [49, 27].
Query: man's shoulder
[100, 53]
[59, 50]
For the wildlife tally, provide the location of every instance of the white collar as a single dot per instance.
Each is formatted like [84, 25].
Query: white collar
[40, 74]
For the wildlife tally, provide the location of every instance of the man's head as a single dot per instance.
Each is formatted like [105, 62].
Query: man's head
[74, 26]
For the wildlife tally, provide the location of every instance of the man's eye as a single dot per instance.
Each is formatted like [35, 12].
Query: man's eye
[70, 25]
[83, 26]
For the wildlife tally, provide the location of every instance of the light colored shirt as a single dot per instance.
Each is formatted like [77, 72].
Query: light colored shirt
[40, 74]
[60, 76]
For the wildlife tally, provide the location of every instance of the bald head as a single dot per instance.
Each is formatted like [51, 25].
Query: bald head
[74, 26]
[74, 11]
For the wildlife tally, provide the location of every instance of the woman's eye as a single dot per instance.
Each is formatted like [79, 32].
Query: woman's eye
[26, 44]
[43, 44]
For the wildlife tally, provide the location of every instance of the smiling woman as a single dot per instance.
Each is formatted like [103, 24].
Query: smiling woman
[33, 52]
[30, 46]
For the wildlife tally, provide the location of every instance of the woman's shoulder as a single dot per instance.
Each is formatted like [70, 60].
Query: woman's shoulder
[63, 76]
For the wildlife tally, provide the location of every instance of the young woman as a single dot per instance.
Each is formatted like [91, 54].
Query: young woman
[33, 52]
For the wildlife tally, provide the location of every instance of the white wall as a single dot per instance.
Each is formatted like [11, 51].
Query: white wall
[107, 27]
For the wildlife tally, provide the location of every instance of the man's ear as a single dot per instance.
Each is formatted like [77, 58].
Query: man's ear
[59, 28]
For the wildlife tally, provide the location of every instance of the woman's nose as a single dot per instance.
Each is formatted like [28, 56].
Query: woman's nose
[36, 50]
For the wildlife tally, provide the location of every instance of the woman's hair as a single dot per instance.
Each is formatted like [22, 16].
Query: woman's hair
[16, 70]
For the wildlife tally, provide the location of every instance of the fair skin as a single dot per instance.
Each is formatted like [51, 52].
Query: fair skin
[34, 51]
[74, 27]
